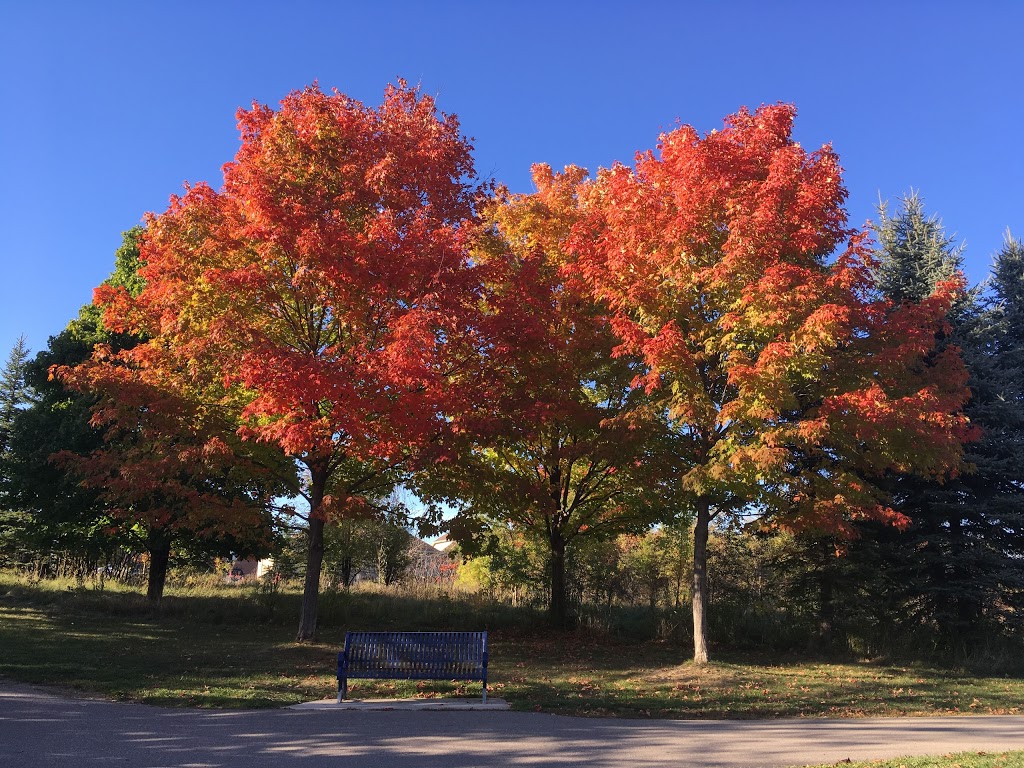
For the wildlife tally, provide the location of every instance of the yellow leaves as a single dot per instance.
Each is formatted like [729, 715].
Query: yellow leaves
[542, 220]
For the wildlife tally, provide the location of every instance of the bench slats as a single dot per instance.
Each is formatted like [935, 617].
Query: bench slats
[413, 656]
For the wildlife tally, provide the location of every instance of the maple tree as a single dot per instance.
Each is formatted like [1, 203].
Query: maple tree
[319, 288]
[57, 513]
[563, 449]
[170, 464]
[791, 386]
[154, 456]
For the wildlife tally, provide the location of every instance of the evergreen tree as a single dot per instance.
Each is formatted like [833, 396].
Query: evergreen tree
[996, 358]
[914, 253]
[928, 563]
[14, 392]
[955, 573]
[65, 515]
[54, 512]
[52, 515]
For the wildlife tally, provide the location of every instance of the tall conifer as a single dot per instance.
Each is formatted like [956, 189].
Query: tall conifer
[914, 254]
[14, 392]
[955, 572]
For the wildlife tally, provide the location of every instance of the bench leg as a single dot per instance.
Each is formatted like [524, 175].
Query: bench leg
[485, 692]
[342, 690]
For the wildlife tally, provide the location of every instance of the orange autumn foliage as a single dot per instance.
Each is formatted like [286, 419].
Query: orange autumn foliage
[321, 282]
[170, 462]
[319, 287]
[562, 447]
[792, 382]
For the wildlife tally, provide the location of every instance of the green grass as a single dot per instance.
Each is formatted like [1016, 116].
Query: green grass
[959, 760]
[220, 646]
[601, 678]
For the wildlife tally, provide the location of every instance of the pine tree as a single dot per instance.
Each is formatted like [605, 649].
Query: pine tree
[49, 510]
[955, 572]
[14, 394]
[14, 391]
[915, 254]
[56, 513]
[928, 561]
[996, 358]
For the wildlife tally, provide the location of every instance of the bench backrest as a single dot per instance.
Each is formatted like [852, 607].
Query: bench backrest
[415, 655]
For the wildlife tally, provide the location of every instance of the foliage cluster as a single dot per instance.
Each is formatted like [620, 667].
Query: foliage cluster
[687, 379]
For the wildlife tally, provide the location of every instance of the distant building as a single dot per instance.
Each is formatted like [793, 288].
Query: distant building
[442, 543]
[250, 568]
[428, 562]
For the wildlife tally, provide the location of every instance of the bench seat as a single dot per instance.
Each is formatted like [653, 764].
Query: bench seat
[413, 656]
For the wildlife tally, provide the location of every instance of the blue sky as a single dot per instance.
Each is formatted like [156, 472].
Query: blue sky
[107, 108]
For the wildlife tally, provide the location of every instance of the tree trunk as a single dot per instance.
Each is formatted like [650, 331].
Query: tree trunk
[966, 605]
[557, 608]
[159, 546]
[314, 556]
[826, 599]
[346, 571]
[700, 582]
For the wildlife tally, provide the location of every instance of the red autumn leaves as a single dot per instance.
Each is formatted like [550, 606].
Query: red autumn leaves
[351, 295]
[791, 379]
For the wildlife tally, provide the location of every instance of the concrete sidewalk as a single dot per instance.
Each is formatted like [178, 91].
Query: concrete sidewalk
[41, 730]
[404, 705]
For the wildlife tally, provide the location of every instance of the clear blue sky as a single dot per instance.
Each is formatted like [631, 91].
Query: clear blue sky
[107, 108]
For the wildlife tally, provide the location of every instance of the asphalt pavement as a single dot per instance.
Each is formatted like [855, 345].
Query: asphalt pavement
[40, 729]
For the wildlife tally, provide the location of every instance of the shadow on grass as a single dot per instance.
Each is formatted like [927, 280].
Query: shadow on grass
[217, 651]
[254, 604]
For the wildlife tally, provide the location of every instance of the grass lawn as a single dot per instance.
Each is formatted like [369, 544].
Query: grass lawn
[234, 647]
[959, 760]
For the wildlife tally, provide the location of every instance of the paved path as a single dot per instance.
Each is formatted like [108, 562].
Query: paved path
[40, 729]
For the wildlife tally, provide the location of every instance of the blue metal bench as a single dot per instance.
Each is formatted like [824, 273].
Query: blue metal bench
[413, 656]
